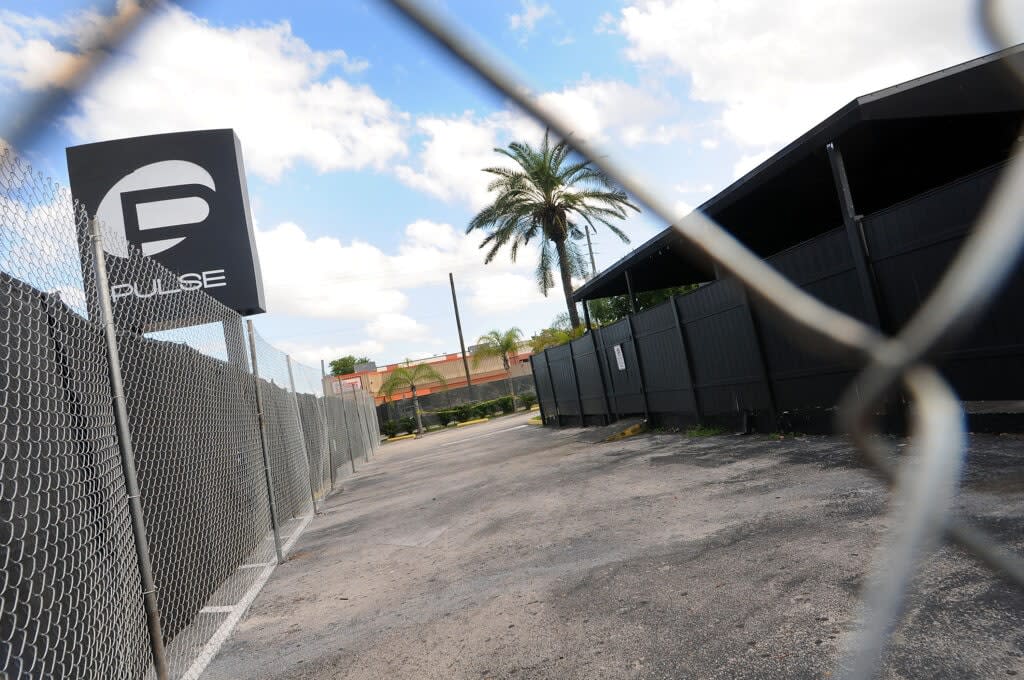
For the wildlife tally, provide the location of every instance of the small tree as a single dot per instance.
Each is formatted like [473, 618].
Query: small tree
[407, 378]
[346, 364]
[499, 344]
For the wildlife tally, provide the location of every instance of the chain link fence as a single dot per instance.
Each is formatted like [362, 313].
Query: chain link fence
[229, 442]
[74, 600]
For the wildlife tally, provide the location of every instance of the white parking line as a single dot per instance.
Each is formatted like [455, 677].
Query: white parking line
[481, 436]
[213, 646]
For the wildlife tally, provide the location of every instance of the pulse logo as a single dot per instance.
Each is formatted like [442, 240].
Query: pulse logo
[181, 199]
[156, 207]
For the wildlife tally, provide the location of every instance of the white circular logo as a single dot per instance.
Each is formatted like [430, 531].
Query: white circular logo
[156, 214]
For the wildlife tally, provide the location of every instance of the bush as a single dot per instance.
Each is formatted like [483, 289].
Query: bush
[407, 424]
[528, 399]
[389, 428]
[446, 416]
[506, 404]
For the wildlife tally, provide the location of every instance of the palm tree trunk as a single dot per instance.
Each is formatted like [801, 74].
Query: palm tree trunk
[512, 389]
[563, 269]
[416, 407]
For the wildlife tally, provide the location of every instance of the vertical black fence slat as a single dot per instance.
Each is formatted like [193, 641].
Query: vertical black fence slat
[540, 401]
[697, 411]
[554, 392]
[576, 381]
[639, 368]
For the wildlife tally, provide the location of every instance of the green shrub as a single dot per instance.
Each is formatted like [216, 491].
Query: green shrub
[464, 412]
[445, 416]
[407, 424]
[389, 428]
[506, 405]
[528, 399]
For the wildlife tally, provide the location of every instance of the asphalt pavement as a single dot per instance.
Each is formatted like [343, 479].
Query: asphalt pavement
[507, 550]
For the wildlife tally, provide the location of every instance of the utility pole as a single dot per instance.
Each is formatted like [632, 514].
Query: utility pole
[590, 249]
[462, 343]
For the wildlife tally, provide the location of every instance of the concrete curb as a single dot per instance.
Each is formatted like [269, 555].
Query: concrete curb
[630, 431]
[473, 422]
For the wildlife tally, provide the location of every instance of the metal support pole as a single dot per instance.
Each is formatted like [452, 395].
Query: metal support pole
[348, 429]
[536, 387]
[362, 425]
[599, 359]
[681, 329]
[327, 423]
[576, 381]
[554, 393]
[586, 316]
[639, 367]
[629, 292]
[234, 342]
[855, 236]
[302, 435]
[462, 343]
[124, 443]
[263, 444]
[762, 357]
[609, 392]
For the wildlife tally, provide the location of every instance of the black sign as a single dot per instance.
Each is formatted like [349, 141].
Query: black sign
[182, 199]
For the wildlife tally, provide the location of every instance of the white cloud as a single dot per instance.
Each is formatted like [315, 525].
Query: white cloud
[779, 68]
[455, 150]
[527, 20]
[596, 109]
[502, 293]
[277, 92]
[748, 162]
[705, 188]
[606, 24]
[312, 354]
[326, 278]
[709, 143]
[388, 327]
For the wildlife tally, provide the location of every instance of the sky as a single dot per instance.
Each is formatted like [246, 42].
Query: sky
[363, 145]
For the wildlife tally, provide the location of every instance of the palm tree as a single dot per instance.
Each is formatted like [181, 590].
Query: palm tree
[553, 198]
[498, 344]
[407, 378]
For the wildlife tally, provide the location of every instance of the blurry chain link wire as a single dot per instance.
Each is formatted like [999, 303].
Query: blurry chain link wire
[938, 424]
[926, 483]
[71, 596]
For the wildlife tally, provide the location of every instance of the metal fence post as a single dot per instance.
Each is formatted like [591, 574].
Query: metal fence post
[576, 381]
[124, 443]
[263, 443]
[362, 425]
[302, 433]
[689, 360]
[599, 359]
[554, 393]
[609, 391]
[327, 425]
[348, 430]
[639, 367]
[536, 388]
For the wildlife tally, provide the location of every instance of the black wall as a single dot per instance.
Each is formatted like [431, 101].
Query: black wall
[714, 356]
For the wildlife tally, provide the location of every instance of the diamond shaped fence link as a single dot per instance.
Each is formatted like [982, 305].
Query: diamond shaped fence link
[925, 485]
[71, 596]
[71, 600]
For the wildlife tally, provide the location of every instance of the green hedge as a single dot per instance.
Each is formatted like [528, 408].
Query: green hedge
[474, 410]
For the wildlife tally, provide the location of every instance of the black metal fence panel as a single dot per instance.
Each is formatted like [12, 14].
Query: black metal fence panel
[910, 246]
[589, 377]
[822, 266]
[666, 374]
[563, 377]
[724, 347]
[625, 384]
[542, 379]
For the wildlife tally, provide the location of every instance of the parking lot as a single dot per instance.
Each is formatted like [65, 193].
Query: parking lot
[508, 550]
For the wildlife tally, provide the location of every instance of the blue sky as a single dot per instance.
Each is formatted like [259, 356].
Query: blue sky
[363, 145]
